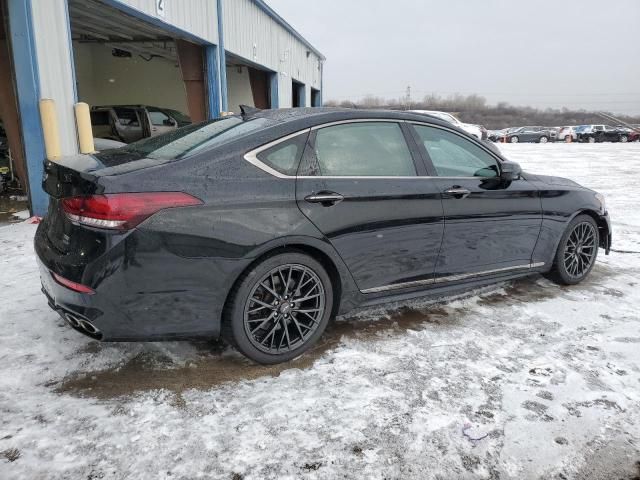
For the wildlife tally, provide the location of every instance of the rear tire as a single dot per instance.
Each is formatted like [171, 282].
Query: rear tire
[543, 140]
[577, 251]
[592, 140]
[624, 139]
[514, 139]
[279, 308]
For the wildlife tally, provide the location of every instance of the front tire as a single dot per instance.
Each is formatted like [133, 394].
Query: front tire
[279, 308]
[577, 251]
[514, 139]
[624, 139]
[543, 140]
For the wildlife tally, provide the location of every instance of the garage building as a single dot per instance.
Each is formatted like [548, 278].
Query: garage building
[198, 58]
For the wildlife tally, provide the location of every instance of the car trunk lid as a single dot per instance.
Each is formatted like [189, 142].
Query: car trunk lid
[68, 177]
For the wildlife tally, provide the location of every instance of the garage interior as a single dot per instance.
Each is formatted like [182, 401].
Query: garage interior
[12, 161]
[122, 60]
[247, 85]
[297, 94]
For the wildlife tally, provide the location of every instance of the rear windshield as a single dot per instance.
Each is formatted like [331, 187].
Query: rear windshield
[184, 142]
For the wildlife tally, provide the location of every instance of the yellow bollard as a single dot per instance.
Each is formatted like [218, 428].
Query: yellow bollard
[83, 124]
[50, 128]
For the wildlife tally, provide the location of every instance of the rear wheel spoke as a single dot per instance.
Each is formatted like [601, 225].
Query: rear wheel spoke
[289, 324]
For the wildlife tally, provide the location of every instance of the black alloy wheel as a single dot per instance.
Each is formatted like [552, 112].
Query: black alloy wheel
[284, 308]
[280, 308]
[577, 251]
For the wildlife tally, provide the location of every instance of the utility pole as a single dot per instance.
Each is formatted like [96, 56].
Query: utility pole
[409, 97]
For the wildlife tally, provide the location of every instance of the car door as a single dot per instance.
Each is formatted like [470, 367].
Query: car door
[363, 184]
[160, 122]
[533, 134]
[490, 224]
[128, 124]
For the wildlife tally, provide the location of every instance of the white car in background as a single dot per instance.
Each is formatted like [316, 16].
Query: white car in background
[477, 131]
[568, 132]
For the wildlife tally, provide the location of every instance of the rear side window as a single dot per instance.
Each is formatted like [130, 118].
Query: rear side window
[367, 149]
[454, 156]
[285, 156]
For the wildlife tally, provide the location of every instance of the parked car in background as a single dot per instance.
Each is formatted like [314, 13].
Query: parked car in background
[568, 134]
[130, 123]
[496, 135]
[106, 144]
[603, 133]
[181, 251]
[531, 134]
[634, 135]
[477, 131]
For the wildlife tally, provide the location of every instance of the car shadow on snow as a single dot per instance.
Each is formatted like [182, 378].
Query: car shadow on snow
[214, 363]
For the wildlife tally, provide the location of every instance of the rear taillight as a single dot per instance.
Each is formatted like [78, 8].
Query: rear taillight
[122, 211]
[76, 287]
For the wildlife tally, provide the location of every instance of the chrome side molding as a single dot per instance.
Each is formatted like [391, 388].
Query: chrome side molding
[450, 278]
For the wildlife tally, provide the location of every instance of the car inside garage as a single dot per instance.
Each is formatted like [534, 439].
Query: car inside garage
[139, 79]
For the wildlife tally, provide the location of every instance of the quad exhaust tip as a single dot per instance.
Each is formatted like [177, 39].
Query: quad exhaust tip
[82, 324]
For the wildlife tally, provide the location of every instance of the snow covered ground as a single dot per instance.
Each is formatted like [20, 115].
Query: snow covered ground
[522, 380]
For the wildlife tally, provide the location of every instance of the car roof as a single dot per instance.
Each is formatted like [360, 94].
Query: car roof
[319, 115]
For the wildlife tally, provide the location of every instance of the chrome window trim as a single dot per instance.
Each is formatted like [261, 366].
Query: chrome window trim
[450, 278]
[252, 156]
[357, 120]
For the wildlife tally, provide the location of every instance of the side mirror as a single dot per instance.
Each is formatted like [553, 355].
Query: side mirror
[510, 171]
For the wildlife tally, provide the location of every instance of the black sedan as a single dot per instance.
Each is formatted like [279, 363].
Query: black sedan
[262, 227]
[530, 134]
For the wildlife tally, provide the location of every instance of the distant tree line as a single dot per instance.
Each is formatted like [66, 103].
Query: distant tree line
[474, 109]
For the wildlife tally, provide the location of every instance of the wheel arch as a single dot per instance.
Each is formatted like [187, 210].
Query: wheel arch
[341, 280]
[603, 226]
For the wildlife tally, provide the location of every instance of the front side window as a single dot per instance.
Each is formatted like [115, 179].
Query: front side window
[158, 118]
[454, 156]
[127, 117]
[369, 149]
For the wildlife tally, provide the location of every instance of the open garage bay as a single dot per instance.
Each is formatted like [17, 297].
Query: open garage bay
[522, 380]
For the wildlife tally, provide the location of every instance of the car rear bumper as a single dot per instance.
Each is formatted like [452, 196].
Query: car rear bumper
[141, 294]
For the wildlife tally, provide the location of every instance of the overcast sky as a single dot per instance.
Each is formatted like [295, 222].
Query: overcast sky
[572, 53]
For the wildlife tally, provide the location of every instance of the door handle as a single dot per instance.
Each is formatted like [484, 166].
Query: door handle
[458, 192]
[327, 199]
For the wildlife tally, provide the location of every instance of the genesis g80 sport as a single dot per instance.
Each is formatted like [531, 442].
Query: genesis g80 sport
[261, 227]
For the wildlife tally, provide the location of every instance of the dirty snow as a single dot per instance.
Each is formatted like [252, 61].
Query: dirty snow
[522, 380]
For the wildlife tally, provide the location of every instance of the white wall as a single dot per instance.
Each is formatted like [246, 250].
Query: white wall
[107, 80]
[199, 17]
[51, 35]
[238, 88]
